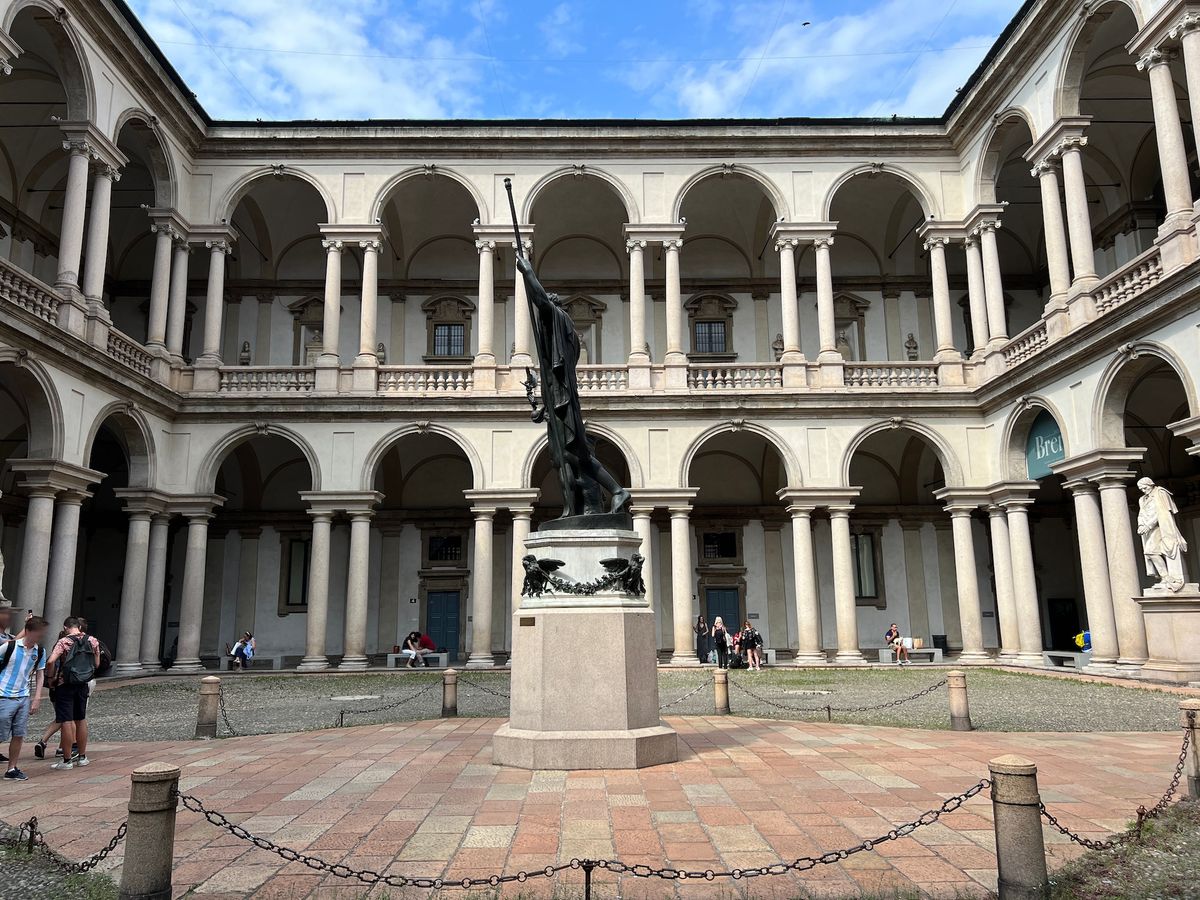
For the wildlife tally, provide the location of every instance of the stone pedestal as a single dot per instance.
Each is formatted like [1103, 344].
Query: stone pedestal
[1172, 634]
[584, 668]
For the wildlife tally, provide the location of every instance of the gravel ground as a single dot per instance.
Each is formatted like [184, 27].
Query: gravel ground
[26, 877]
[165, 709]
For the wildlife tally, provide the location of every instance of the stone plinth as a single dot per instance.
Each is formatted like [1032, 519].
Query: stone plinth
[1172, 634]
[584, 668]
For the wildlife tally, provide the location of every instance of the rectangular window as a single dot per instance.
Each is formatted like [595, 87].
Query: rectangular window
[448, 340]
[863, 547]
[295, 586]
[720, 545]
[710, 337]
[445, 548]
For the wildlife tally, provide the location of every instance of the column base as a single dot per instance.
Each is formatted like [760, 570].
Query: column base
[676, 373]
[72, 311]
[520, 360]
[186, 666]
[687, 661]
[1131, 664]
[639, 374]
[206, 377]
[810, 658]
[127, 668]
[313, 664]
[795, 372]
[831, 371]
[483, 376]
[97, 325]
[973, 657]
[326, 379]
[1105, 665]
[477, 661]
[950, 371]
[849, 658]
[1033, 660]
[353, 663]
[366, 374]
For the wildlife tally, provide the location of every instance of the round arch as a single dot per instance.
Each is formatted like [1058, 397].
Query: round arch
[1015, 435]
[229, 203]
[162, 166]
[632, 213]
[600, 431]
[779, 202]
[545, 251]
[987, 166]
[1118, 380]
[78, 82]
[383, 445]
[136, 438]
[928, 205]
[791, 463]
[206, 474]
[1069, 83]
[951, 467]
[46, 428]
[389, 188]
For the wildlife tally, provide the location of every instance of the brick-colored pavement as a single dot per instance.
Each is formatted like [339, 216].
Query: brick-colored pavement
[422, 798]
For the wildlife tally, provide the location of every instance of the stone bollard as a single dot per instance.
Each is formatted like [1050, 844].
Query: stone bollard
[206, 716]
[150, 840]
[960, 710]
[449, 694]
[1193, 755]
[1020, 852]
[721, 692]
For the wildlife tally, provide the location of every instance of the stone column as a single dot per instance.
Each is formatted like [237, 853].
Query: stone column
[1054, 229]
[487, 303]
[826, 326]
[245, 612]
[643, 525]
[942, 322]
[354, 645]
[1002, 572]
[637, 303]
[60, 579]
[1025, 592]
[156, 581]
[35, 551]
[788, 300]
[70, 245]
[521, 516]
[683, 583]
[993, 286]
[967, 582]
[1187, 32]
[332, 312]
[1097, 593]
[808, 599]
[522, 328]
[1172, 156]
[318, 594]
[133, 594]
[370, 301]
[187, 658]
[214, 303]
[160, 285]
[976, 295]
[1079, 220]
[481, 591]
[96, 256]
[676, 354]
[1122, 570]
[177, 302]
[845, 604]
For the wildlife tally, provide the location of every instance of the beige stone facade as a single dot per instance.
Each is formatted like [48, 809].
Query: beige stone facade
[267, 376]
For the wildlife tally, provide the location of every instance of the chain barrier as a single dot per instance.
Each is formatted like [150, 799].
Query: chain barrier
[341, 722]
[668, 873]
[483, 687]
[697, 689]
[1143, 815]
[224, 713]
[829, 709]
[30, 839]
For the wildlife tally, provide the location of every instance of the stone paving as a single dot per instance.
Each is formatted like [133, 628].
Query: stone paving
[422, 798]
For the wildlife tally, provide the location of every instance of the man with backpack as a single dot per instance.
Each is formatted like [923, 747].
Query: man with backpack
[73, 664]
[22, 664]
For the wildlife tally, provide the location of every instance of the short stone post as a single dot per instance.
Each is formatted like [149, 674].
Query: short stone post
[150, 840]
[449, 694]
[210, 700]
[1192, 766]
[721, 692]
[1020, 852]
[960, 710]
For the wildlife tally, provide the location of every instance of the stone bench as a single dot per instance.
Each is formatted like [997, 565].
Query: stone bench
[888, 654]
[1065, 659]
[432, 660]
[258, 662]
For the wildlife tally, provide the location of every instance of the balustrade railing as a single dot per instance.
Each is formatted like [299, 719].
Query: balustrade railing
[757, 376]
[425, 379]
[891, 374]
[22, 289]
[1128, 281]
[128, 352]
[1030, 341]
[266, 380]
[602, 378]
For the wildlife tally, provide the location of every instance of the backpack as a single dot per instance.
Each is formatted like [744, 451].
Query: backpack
[80, 665]
[106, 660]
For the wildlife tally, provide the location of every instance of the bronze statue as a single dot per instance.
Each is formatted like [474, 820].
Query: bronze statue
[580, 474]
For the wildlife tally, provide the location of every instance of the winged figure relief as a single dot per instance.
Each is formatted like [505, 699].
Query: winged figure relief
[537, 574]
[628, 572]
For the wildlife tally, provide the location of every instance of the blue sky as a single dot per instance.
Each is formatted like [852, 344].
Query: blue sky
[304, 59]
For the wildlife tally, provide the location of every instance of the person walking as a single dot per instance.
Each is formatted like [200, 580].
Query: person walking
[720, 639]
[73, 664]
[22, 667]
[702, 642]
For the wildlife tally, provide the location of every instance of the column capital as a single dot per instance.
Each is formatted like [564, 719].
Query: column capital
[351, 235]
[824, 242]
[1154, 57]
[1099, 463]
[484, 512]
[333, 245]
[72, 497]
[786, 243]
[963, 500]
[521, 512]
[503, 498]
[653, 234]
[103, 169]
[1190, 429]
[983, 214]
[370, 246]
[667, 497]
[1011, 491]
[485, 246]
[817, 497]
[54, 475]
[209, 235]
[932, 241]
[169, 221]
[143, 501]
[85, 138]
[1081, 486]
[1188, 23]
[1063, 133]
[10, 50]
[340, 501]
[801, 232]
[196, 506]
[632, 244]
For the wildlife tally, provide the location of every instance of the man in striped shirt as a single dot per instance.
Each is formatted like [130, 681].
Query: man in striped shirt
[22, 664]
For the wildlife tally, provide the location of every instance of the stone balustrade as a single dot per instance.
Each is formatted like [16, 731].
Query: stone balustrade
[22, 289]
[891, 374]
[729, 377]
[1128, 281]
[266, 380]
[425, 379]
[602, 378]
[1029, 342]
[128, 352]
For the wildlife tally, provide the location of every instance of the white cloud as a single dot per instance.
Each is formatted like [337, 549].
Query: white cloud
[561, 30]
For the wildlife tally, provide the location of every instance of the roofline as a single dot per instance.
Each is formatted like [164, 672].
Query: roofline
[788, 121]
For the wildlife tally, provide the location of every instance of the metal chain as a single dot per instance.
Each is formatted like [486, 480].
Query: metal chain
[367, 876]
[224, 714]
[697, 689]
[374, 709]
[487, 690]
[843, 709]
[29, 838]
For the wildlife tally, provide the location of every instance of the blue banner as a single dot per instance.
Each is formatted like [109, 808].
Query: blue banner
[1044, 447]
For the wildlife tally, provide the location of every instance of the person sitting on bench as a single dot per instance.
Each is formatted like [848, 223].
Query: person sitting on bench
[413, 651]
[893, 639]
